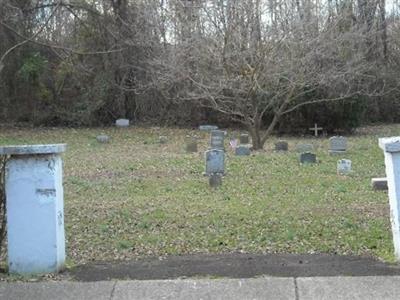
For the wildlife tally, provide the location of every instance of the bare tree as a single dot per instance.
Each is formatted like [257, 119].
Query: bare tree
[243, 69]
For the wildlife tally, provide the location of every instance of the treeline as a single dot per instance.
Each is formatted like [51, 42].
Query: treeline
[262, 64]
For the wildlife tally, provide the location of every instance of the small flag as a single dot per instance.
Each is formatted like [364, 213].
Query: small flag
[233, 143]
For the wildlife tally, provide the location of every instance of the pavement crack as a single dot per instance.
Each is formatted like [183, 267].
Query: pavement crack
[112, 291]
[296, 289]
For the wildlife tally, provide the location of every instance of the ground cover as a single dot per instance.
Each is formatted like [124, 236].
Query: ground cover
[134, 197]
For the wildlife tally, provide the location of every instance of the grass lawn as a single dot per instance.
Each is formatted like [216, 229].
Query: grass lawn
[133, 197]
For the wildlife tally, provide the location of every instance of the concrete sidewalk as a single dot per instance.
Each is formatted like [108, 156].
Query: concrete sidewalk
[370, 287]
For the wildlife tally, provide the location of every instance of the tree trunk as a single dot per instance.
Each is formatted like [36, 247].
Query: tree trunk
[255, 137]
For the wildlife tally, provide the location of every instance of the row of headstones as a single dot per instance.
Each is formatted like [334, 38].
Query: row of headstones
[216, 159]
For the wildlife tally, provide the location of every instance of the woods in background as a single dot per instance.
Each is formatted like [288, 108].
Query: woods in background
[264, 64]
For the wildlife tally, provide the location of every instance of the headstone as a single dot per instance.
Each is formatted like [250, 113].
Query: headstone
[215, 161]
[379, 184]
[242, 150]
[208, 127]
[302, 148]
[163, 139]
[344, 167]
[316, 129]
[215, 180]
[35, 214]
[281, 146]
[337, 145]
[244, 138]
[191, 144]
[308, 158]
[122, 123]
[103, 138]
[391, 149]
[217, 139]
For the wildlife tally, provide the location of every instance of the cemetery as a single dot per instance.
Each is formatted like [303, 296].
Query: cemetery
[164, 191]
[198, 149]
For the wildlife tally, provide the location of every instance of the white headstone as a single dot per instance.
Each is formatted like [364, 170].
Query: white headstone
[344, 167]
[103, 138]
[122, 123]
[316, 129]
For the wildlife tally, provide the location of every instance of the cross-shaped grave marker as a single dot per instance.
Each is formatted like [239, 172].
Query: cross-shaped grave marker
[316, 129]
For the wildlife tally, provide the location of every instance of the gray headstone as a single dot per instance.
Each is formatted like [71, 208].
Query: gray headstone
[215, 161]
[379, 184]
[308, 158]
[281, 146]
[242, 150]
[208, 127]
[163, 139]
[103, 138]
[191, 144]
[337, 144]
[122, 123]
[344, 166]
[244, 138]
[302, 148]
[215, 180]
[217, 139]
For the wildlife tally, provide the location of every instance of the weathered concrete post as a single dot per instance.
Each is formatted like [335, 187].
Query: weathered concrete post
[35, 212]
[391, 148]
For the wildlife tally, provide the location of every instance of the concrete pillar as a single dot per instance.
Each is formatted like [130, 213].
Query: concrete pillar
[391, 148]
[35, 212]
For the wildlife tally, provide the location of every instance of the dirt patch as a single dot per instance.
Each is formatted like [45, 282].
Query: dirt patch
[235, 266]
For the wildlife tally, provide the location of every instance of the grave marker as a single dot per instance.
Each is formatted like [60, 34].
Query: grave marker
[308, 158]
[244, 138]
[315, 129]
[337, 145]
[379, 184]
[344, 167]
[215, 161]
[103, 138]
[215, 180]
[217, 139]
[281, 146]
[208, 127]
[122, 123]
[191, 144]
[302, 148]
[242, 150]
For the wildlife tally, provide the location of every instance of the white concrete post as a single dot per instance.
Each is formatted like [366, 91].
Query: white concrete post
[391, 148]
[35, 212]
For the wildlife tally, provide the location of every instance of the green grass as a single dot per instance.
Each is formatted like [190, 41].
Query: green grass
[133, 197]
